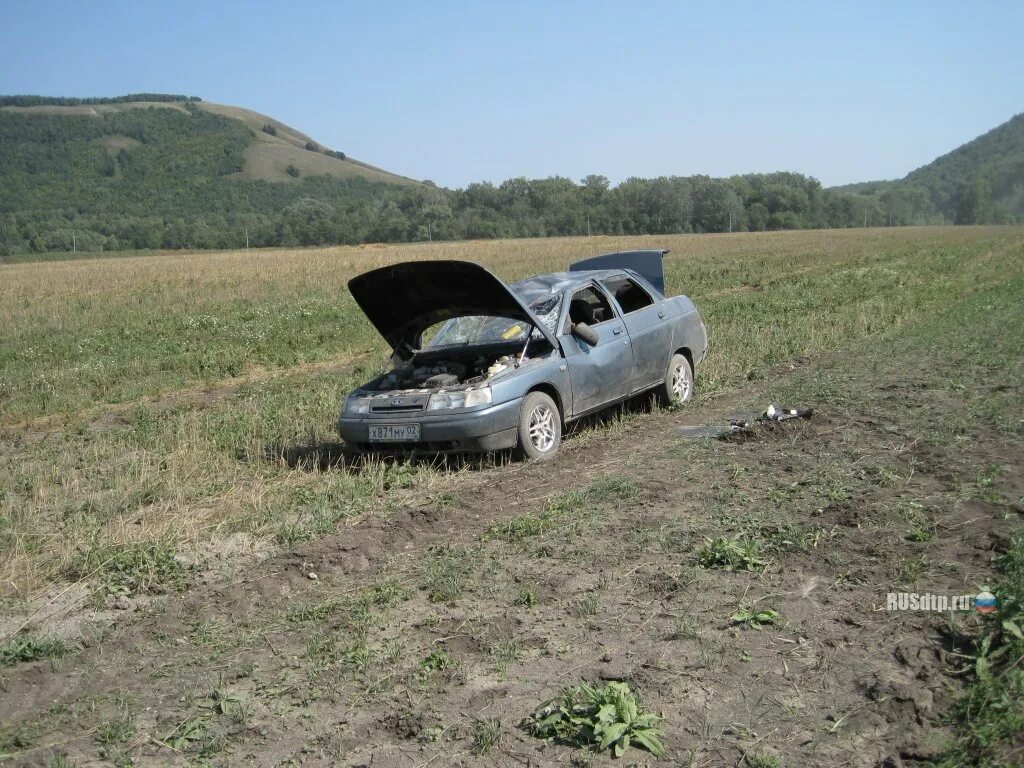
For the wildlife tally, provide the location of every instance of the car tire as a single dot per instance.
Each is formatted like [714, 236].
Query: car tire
[540, 428]
[678, 385]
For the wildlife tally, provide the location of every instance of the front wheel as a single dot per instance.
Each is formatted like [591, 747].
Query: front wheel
[540, 427]
[678, 386]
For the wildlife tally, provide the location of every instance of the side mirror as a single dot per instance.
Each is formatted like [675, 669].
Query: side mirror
[586, 334]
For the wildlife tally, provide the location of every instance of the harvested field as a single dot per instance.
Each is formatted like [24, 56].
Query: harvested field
[194, 575]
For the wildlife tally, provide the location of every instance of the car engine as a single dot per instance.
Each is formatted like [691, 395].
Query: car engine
[443, 374]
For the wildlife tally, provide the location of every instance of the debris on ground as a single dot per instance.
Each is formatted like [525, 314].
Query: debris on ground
[747, 423]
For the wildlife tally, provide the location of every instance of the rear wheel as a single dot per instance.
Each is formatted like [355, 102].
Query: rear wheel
[540, 427]
[678, 386]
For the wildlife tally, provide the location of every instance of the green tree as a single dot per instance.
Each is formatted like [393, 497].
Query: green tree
[973, 201]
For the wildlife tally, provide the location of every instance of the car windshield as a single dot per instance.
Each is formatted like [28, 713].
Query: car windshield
[477, 329]
[488, 329]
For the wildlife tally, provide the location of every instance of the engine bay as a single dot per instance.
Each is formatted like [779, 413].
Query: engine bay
[456, 369]
[444, 373]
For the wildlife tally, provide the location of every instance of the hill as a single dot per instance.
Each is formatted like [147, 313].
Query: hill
[175, 172]
[149, 171]
[981, 181]
[274, 148]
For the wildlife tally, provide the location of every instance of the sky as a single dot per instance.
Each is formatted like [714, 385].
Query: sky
[457, 92]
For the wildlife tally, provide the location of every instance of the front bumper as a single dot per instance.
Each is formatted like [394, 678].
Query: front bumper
[489, 429]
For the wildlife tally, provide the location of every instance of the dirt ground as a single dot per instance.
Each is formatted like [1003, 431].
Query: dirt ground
[404, 638]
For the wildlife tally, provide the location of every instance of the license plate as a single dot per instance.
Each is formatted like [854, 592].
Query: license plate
[394, 433]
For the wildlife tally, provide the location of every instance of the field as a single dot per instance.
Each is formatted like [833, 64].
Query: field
[192, 573]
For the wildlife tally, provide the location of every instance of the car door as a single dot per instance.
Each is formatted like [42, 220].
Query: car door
[649, 334]
[601, 373]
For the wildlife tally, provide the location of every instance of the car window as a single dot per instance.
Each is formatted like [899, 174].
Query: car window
[475, 329]
[589, 306]
[628, 294]
[547, 310]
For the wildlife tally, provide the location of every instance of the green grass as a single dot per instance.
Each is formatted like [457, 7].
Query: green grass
[437, 661]
[134, 569]
[568, 511]
[486, 734]
[448, 572]
[990, 716]
[30, 648]
[98, 467]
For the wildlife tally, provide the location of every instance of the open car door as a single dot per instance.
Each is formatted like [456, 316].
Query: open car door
[648, 264]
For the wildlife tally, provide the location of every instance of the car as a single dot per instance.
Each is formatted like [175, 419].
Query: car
[480, 366]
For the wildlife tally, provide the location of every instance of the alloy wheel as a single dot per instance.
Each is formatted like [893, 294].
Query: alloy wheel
[681, 383]
[542, 428]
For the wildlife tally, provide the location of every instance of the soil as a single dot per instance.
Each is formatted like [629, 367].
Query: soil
[234, 673]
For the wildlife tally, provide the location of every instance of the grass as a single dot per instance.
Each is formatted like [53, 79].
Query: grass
[448, 572]
[568, 511]
[527, 598]
[436, 661]
[134, 569]
[587, 606]
[30, 648]
[486, 734]
[623, 558]
[174, 400]
[990, 716]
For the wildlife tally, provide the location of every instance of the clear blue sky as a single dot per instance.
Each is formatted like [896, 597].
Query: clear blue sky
[460, 92]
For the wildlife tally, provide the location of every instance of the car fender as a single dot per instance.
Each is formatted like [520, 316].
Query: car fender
[550, 372]
[687, 327]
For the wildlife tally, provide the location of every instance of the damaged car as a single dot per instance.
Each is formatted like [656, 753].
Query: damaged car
[479, 365]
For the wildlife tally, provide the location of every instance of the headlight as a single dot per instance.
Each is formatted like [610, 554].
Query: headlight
[465, 399]
[480, 396]
[355, 405]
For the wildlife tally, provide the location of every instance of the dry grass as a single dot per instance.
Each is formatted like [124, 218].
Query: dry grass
[166, 397]
[82, 332]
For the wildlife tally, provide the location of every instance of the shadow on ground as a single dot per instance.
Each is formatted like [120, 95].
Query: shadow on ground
[324, 455]
[318, 455]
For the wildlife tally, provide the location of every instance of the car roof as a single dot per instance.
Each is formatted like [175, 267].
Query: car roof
[539, 286]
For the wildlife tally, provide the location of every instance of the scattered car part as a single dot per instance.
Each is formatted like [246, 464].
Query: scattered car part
[746, 424]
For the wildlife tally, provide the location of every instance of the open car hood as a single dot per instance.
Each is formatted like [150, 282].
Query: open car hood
[403, 300]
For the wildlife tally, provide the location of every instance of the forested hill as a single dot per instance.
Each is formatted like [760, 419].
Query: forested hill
[981, 181]
[163, 171]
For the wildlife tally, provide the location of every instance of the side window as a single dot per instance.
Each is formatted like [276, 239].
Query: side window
[630, 296]
[590, 307]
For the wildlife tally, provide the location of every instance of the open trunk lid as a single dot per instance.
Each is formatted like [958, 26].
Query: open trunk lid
[403, 300]
[648, 264]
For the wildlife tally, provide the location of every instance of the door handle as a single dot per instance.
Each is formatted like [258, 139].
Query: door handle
[661, 314]
[617, 331]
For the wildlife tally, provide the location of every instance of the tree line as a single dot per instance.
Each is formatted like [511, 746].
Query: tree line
[159, 178]
[221, 213]
[72, 101]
